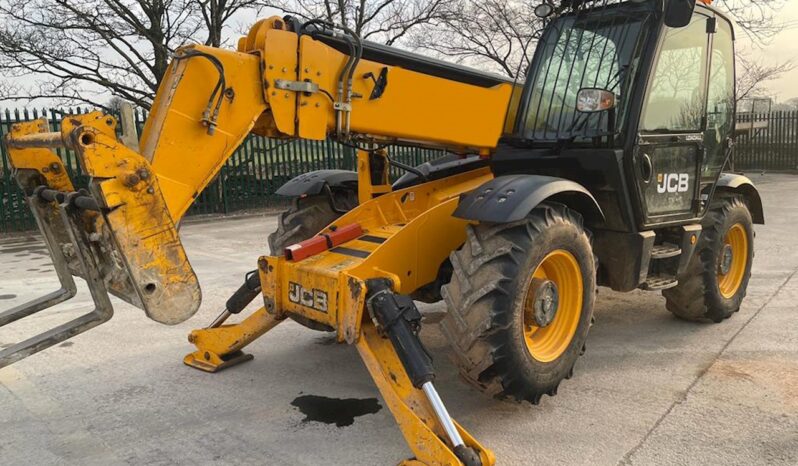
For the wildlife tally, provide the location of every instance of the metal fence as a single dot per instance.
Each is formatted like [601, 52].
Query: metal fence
[767, 141]
[248, 180]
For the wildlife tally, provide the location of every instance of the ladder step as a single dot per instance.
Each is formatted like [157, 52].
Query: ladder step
[659, 283]
[665, 251]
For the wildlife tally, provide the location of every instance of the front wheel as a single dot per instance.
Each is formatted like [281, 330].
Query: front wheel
[715, 282]
[520, 303]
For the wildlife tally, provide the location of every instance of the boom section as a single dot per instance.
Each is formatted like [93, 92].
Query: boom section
[391, 100]
[288, 84]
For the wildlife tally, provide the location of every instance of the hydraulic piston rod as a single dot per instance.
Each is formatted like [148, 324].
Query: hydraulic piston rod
[244, 295]
[397, 317]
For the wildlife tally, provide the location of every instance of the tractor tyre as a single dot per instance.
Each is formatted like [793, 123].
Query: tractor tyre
[304, 219]
[715, 282]
[520, 303]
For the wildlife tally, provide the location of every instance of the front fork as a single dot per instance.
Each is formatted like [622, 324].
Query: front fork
[398, 363]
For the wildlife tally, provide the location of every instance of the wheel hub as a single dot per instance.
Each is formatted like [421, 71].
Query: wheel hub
[726, 259]
[546, 301]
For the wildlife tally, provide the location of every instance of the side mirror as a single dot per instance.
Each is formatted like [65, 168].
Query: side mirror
[591, 100]
[678, 13]
[544, 10]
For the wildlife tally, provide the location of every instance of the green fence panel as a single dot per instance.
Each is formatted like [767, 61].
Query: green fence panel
[767, 141]
[248, 180]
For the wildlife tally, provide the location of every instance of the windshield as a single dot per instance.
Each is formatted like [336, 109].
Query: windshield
[595, 50]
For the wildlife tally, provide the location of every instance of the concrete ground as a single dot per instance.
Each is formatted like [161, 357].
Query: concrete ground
[650, 390]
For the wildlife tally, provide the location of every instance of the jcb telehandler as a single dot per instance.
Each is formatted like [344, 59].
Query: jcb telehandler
[605, 168]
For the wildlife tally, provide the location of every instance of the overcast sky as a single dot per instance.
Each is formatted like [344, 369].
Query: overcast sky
[784, 47]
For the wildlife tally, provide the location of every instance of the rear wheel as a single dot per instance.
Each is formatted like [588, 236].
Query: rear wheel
[307, 217]
[520, 303]
[716, 280]
[304, 219]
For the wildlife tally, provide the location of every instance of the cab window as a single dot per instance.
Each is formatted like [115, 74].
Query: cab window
[720, 99]
[676, 94]
[597, 51]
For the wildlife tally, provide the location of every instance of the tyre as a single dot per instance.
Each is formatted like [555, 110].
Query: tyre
[520, 303]
[304, 219]
[715, 282]
[307, 217]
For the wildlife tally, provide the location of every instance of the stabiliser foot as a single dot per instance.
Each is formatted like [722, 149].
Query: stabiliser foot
[211, 362]
[219, 346]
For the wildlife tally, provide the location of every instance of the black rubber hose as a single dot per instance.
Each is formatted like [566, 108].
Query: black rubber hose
[50, 195]
[86, 203]
[80, 199]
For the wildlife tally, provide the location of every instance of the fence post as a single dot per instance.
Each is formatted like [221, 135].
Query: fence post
[349, 157]
[5, 192]
[223, 189]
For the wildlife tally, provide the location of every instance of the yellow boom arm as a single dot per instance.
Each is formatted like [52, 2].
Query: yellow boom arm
[120, 235]
[281, 84]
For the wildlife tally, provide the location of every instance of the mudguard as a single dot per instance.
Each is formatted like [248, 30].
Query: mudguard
[313, 183]
[743, 185]
[510, 198]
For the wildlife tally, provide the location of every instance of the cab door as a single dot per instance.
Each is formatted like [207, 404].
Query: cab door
[720, 107]
[670, 148]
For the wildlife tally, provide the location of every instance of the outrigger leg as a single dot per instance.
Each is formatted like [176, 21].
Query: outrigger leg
[403, 372]
[390, 347]
[219, 346]
[349, 277]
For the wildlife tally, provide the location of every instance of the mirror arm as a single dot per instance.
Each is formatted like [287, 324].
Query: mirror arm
[611, 120]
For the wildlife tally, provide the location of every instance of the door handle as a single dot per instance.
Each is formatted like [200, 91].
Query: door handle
[645, 167]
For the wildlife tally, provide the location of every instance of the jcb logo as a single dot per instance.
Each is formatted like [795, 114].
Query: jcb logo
[673, 183]
[312, 298]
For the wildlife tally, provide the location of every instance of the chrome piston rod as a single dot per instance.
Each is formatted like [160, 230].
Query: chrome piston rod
[443, 415]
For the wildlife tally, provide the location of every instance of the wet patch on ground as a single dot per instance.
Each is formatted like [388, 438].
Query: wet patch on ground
[339, 411]
[26, 250]
[7, 296]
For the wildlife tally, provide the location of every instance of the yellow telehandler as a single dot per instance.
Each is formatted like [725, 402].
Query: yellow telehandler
[604, 168]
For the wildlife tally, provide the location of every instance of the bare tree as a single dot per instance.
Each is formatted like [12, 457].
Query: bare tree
[216, 14]
[501, 34]
[789, 105]
[76, 51]
[753, 76]
[84, 50]
[757, 18]
[494, 33]
[386, 21]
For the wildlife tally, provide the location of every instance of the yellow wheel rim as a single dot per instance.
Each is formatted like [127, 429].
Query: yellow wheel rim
[733, 261]
[547, 343]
